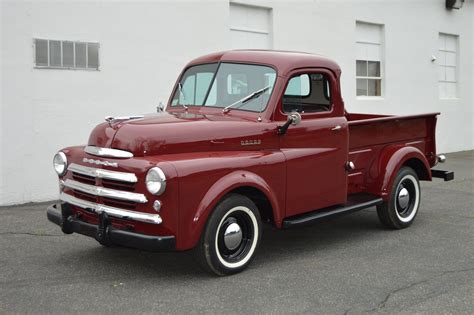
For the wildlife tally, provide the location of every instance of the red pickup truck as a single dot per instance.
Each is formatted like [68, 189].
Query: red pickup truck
[247, 137]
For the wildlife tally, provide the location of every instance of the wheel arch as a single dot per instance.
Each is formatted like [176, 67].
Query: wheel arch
[392, 160]
[243, 182]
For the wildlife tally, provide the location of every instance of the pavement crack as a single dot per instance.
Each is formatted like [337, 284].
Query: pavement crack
[30, 234]
[383, 303]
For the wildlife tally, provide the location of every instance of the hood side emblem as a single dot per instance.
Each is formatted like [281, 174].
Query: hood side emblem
[251, 142]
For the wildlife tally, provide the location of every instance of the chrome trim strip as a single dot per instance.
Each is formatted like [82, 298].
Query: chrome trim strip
[115, 212]
[105, 192]
[101, 173]
[106, 152]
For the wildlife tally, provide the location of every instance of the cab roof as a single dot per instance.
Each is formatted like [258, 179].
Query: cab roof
[283, 61]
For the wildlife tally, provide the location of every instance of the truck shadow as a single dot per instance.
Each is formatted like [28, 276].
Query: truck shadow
[277, 246]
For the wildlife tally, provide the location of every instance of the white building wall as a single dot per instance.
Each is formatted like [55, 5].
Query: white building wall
[144, 45]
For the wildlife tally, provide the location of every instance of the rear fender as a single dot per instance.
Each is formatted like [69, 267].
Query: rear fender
[391, 160]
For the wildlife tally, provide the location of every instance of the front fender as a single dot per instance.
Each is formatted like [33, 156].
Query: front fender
[391, 160]
[225, 185]
[205, 177]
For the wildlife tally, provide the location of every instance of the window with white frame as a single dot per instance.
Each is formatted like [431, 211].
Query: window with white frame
[447, 61]
[369, 59]
[250, 26]
[66, 54]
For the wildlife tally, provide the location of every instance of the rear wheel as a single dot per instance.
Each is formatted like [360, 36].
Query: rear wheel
[400, 210]
[231, 236]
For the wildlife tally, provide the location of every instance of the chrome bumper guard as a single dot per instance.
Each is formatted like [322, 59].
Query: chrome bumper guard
[445, 175]
[105, 233]
[112, 211]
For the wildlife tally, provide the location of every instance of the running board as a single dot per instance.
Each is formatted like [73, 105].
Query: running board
[354, 203]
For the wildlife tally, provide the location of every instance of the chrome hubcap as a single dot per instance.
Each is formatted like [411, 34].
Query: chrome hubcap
[232, 236]
[403, 198]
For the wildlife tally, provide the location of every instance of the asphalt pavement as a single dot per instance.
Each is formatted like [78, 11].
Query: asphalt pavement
[346, 265]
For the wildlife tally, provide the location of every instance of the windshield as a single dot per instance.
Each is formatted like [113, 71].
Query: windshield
[224, 84]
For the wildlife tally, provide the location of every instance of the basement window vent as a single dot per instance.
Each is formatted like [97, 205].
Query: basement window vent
[62, 54]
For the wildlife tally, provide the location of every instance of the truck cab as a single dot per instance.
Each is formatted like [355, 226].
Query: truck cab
[247, 136]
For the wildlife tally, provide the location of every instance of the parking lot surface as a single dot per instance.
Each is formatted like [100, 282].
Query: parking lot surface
[346, 265]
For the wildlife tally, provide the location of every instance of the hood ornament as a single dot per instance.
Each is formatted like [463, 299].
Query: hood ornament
[112, 120]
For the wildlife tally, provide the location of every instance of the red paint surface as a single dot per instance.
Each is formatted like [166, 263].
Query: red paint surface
[201, 154]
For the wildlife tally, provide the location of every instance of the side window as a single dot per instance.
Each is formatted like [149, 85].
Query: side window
[298, 86]
[307, 93]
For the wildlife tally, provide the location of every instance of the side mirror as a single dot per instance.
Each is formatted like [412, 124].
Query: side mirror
[160, 108]
[294, 118]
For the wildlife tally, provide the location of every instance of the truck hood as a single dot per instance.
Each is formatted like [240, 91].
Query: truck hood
[171, 132]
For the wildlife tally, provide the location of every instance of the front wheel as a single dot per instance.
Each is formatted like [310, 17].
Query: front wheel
[231, 236]
[400, 210]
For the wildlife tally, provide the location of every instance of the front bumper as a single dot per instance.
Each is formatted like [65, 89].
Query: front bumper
[105, 233]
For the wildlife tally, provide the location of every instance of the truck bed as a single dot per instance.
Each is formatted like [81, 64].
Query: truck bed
[370, 134]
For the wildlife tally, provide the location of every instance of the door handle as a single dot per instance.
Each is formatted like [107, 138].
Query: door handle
[337, 128]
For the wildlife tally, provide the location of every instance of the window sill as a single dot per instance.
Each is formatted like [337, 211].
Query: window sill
[370, 98]
[66, 68]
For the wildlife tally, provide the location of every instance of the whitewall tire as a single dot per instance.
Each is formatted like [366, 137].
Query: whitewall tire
[402, 207]
[231, 236]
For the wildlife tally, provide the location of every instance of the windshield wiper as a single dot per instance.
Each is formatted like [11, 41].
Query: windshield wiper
[181, 93]
[247, 98]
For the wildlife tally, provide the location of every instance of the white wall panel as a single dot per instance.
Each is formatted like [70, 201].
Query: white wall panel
[144, 45]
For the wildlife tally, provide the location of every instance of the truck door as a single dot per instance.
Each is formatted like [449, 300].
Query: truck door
[316, 149]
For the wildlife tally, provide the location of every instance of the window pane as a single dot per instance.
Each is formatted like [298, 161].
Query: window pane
[361, 51]
[374, 68]
[441, 73]
[202, 85]
[361, 87]
[442, 58]
[55, 53]
[442, 89]
[450, 74]
[237, 84]
[41, 52]
[361, 68]
[212, 97]
[373, 52]
[93, 55]
[374, 88]
[451, 42]
[450, 90]
[68, 54]
[450, 59]
[80, 55]
[442, 41]
[298, 86]
[187, 95]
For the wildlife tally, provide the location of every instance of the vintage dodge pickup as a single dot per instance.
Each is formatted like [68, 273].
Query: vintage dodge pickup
[247, 137]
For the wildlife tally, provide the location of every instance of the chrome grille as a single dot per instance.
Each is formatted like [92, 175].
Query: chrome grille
[100, 190]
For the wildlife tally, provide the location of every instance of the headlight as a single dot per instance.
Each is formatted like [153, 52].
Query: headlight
[60, 163]
[155, 181]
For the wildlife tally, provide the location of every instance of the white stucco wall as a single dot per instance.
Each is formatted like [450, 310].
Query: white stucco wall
[144, 45]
